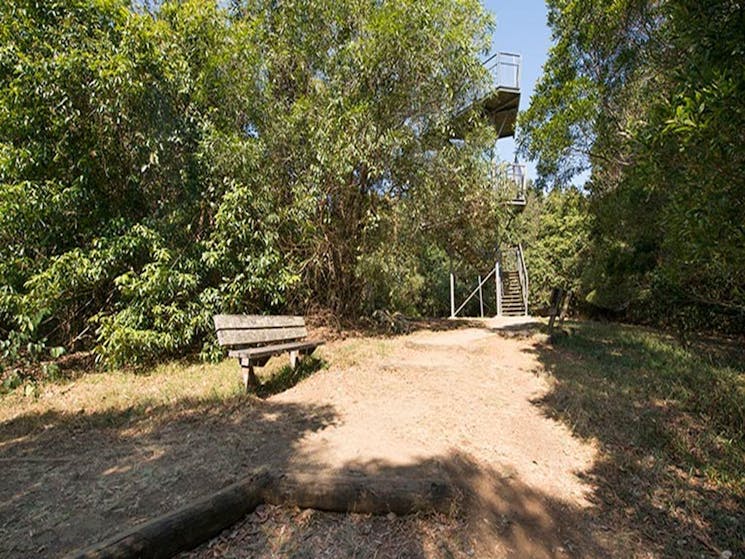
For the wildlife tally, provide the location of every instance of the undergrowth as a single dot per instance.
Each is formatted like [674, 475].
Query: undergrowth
[670, 421]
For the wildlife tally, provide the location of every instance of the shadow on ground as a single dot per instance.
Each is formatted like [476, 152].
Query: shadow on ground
[287, 377]
[71, 479]
[670, 426]
[494, 515]
[668, 481]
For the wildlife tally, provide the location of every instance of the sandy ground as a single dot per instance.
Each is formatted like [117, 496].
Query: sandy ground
[456, 403]
[435, 395]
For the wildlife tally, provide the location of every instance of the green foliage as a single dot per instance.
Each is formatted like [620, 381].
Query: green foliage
[161, 165]
[651, 96]
[555, 232]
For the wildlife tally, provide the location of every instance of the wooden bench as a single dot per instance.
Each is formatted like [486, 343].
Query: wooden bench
[253, 339]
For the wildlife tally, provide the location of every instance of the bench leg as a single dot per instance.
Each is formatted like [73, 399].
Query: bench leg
[294, 358]
[250, 382]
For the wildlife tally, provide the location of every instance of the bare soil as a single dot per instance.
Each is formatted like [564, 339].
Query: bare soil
[458, 403]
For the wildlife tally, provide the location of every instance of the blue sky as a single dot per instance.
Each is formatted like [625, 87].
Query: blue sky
[521, 28]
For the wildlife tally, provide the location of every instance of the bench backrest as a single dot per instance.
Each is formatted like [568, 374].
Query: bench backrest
[237, 331]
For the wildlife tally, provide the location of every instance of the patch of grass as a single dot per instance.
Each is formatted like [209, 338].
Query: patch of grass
[354, 351]
[135, 392]
[670, 422]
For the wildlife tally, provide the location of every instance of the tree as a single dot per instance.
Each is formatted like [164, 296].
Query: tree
[165, 161]
[650, 96]
[555, 232]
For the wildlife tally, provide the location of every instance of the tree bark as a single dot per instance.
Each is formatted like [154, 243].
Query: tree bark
[185, 528]
[360, 494]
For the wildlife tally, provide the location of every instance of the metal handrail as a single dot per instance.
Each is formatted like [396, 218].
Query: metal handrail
[481, 283]
[520, 272]
[523, 275]
[505, 69]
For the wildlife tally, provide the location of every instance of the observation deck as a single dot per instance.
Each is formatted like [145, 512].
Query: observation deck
[501, 103]
[500, 100]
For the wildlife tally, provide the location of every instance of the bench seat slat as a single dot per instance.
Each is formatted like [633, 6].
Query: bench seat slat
[260, 336]
[274, 349]
[254, 321]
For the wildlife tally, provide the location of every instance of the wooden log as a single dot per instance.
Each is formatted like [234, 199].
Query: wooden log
[196, 523]
[360, 494]
[185, 528]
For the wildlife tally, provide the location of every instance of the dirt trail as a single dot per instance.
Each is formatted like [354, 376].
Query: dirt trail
[438, 393]
[457, 403]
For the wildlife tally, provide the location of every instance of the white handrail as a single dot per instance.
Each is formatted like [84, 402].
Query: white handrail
[523, 275]
[478, 287]
[498, 285]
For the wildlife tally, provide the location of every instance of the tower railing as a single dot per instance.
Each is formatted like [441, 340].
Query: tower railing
[523, 270]
[514, 178]
[505, 69]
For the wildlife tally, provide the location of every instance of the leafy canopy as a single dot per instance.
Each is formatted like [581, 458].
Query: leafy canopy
[161, 164]
[651, 97]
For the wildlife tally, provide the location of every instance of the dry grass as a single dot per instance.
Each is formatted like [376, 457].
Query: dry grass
[271, 532]
[84, 456]
[119, 390]
[165, 386]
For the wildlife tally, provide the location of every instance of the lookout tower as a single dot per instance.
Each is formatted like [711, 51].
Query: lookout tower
[500, 103]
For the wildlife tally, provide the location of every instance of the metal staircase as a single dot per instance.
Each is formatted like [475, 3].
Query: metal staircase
[512, 297]
[510, 282]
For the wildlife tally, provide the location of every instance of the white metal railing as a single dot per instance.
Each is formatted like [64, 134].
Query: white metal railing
[498, 278]
[479, 289]
[522, 272]
[505, 69]
[523, 275]
[513, 176]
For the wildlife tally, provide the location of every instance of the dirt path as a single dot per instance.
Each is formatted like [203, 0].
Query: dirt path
[435, 394]
[456, 402]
